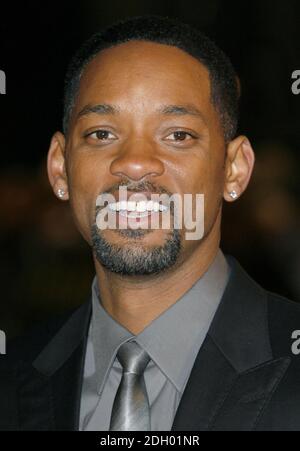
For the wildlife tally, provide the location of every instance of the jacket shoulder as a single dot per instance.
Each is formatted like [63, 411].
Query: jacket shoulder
[27, 346]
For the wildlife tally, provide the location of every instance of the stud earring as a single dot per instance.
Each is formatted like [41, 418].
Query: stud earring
[60, 193]
[233, 194]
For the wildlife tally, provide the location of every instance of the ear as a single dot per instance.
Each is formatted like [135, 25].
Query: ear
[56, 166]
[238, 167]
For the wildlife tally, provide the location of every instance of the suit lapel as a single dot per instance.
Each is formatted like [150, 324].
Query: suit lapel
[35, 400]
[234, 375]
[66, 384]
[250, 394]
[210, 381]
[50, 387]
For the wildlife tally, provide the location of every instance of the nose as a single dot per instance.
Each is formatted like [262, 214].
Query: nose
[137, 160]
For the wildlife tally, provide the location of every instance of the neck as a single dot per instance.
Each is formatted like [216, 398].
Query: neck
[134, 302]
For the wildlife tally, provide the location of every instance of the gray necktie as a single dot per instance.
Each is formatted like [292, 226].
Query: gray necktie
[131, 410]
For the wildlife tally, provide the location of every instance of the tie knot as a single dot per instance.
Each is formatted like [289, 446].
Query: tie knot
[133, 358]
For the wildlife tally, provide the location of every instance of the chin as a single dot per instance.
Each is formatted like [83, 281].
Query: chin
[147, 236]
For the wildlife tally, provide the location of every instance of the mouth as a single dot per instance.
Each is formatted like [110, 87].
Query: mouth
[141, 214]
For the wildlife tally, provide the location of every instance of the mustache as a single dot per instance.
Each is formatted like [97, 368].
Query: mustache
[138, 187]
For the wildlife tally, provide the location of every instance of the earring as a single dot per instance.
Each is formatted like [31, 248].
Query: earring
[233, 194]
[60, 193]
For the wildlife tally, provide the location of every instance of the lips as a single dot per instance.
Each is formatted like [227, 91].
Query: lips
[135, 214]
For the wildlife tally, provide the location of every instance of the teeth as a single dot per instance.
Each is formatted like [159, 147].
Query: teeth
[113, 206]
[150, 205]
[140, 207]
[163, 208]
[123, 205]
[131, 206]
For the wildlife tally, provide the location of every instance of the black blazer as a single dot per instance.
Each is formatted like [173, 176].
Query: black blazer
[245, 376]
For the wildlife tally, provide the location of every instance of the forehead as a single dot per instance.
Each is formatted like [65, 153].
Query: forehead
[144, 75]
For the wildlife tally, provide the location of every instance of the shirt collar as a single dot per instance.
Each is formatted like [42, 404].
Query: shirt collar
[107, 336]
[174, 338]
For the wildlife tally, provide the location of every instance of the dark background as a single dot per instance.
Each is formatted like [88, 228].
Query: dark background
[45, 265]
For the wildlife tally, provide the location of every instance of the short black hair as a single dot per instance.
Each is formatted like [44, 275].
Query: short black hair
[162, 30]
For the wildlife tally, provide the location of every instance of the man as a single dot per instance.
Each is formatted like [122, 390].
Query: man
[175, 336]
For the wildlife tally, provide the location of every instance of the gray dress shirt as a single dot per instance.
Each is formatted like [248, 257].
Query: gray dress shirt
[172, 340]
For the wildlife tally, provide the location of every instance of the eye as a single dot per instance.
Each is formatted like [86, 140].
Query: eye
[180, 135]
[101, 135]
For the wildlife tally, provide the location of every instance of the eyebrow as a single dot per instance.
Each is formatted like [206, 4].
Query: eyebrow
[101, 108]
[176, 110]
[182, 110]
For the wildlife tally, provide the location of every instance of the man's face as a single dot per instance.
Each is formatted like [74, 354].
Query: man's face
[158, 132]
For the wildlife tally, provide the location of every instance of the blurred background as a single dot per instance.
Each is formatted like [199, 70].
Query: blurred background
[46, 267]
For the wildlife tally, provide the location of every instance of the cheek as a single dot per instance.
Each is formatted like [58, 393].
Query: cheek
[85, 183]
[205, 176]
[214, 191]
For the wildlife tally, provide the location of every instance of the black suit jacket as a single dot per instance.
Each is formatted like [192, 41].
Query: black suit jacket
[245, 376]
